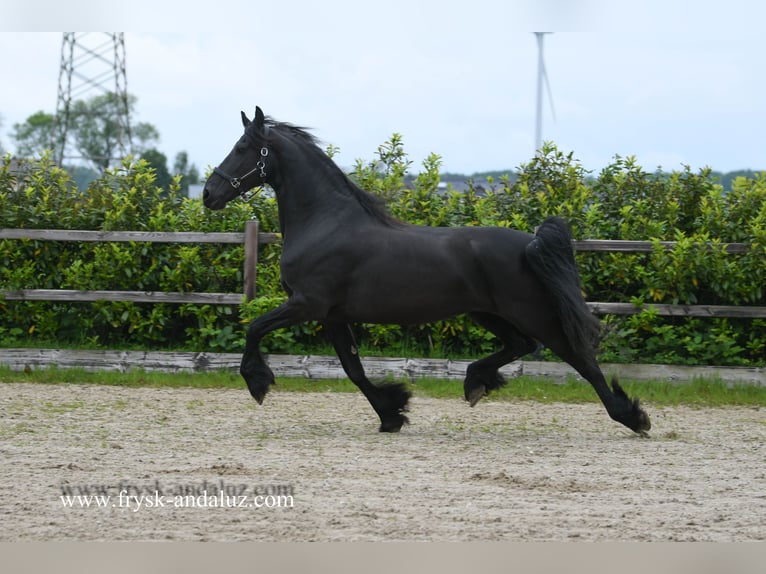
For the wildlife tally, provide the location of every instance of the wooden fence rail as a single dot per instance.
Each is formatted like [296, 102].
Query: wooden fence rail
[252, 238]
[623, 245]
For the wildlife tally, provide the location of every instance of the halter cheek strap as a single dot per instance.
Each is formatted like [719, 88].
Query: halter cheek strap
[236, 182]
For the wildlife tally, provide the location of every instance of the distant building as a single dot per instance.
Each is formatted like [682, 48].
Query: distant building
[18, 168]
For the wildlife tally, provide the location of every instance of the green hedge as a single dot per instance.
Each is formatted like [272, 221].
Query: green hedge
[622, 202]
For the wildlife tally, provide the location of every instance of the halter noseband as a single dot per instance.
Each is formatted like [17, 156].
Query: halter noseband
[236, 182]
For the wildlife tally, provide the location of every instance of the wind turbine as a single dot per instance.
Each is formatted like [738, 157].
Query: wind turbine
[541, 75]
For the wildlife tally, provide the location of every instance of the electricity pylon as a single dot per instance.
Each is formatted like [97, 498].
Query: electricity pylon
[92, 63]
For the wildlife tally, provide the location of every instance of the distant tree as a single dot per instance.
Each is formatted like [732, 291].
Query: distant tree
[159, 163]
[189, 173]
[479, 175]
[95, 130]
[726, 179]
[97, 133]
[35, 135]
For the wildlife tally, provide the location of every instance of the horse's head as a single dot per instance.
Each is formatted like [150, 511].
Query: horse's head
[246, 166]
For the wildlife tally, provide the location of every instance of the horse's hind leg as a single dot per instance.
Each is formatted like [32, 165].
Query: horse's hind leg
[483, 376]
[619, 406]
[389, 400]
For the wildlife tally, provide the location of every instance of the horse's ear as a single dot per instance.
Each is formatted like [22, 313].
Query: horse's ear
[245, 121]
[259, 117]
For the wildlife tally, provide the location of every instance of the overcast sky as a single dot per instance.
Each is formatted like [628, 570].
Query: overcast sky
[672, 83]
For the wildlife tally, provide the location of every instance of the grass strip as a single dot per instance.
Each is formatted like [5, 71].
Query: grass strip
[707, 392]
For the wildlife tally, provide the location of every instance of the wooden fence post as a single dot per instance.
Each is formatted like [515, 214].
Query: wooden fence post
[251, 258]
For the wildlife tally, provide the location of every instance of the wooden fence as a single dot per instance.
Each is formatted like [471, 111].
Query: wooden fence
[252, 238]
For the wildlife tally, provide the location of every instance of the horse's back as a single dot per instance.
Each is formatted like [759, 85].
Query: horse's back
[486, 239]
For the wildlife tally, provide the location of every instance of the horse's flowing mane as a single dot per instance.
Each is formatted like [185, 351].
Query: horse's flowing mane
[302, 137]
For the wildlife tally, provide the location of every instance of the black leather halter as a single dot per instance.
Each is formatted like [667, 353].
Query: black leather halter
[236, 181]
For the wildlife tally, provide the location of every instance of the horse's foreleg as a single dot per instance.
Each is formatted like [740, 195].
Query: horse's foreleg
[389, 400]
[483, 376]
[253, 368]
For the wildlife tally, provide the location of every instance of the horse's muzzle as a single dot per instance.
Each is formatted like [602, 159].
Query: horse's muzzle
[210, 201]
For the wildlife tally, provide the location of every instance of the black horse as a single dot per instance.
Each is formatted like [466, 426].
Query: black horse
[346, 260]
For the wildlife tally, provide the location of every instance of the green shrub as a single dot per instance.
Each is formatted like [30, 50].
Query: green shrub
[622, 202]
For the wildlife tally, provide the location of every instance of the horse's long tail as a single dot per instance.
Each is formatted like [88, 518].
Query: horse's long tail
[551, 258]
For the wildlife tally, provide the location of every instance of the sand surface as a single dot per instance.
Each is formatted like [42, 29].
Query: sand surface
[312, 467]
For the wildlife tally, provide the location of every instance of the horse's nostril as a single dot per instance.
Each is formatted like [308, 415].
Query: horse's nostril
[205, 194]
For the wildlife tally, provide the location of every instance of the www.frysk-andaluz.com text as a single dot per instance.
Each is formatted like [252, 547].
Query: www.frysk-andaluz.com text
[206, 494]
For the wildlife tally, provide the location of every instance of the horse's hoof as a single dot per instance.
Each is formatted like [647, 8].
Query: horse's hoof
[476, 394]
[259, 394]
[393, 424]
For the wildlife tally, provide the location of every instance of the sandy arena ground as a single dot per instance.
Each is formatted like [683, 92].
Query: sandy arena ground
[501, 471]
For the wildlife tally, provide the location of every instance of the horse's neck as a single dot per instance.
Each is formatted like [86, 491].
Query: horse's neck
[311, 197]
